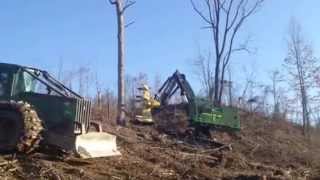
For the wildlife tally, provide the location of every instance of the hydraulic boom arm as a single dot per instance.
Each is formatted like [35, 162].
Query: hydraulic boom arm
[171, 86]
[199, 111]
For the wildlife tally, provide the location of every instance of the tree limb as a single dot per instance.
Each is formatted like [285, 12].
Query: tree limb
[211, 17]
[129, 24]
[127, 5]
[113, 2]
[226, 30]
[235, 17]
[200, 13]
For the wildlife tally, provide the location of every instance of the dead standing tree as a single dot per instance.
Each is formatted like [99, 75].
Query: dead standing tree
[121, 7]
[276, 78]
[301, 66]
[224, 18]
[204, 71]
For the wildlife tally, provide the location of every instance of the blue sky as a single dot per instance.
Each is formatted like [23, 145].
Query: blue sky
[165, 37]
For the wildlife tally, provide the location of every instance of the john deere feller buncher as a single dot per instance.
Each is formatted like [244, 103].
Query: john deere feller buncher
[36, 109]
[201, 112]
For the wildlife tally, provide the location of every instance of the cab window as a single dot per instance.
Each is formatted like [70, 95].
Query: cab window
[5, 83]
[33, 85]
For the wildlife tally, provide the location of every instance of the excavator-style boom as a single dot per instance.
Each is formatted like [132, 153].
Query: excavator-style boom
[201, 112]
[171, 86]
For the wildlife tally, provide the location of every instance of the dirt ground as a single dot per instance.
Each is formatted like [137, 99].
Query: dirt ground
[263, 149]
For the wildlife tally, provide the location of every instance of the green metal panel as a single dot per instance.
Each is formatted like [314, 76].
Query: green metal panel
[223, 117]
[58, 111]
[53, 110]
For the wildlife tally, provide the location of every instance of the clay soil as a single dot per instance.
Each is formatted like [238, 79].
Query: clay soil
[263, 149]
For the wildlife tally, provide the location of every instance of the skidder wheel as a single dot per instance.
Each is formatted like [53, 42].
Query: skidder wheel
[33, 127]
[11, 127]
[26, 127]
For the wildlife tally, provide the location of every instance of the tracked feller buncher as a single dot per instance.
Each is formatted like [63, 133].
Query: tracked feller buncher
[202, 115]
[37, 110]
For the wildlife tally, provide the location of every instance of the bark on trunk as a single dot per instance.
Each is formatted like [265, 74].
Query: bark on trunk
[216, 84]
[221, 86]
[121, 51]
[305, 113]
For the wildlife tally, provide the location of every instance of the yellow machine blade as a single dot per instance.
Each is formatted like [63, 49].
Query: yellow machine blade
[144, 119]
[96, 144]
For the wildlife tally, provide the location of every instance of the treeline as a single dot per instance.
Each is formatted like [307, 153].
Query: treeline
[292, 93]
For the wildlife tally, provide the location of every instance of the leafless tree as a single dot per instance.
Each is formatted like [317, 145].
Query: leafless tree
[98, 91]
[224, 18]
[301, 66]
[247, 88]
[204, 72]
[83, 75]
[276, 79]
[121, 6]
[80, 76]
[157, 83]
[132, 85]
[228, 84]
[60, 69]
[104, 106]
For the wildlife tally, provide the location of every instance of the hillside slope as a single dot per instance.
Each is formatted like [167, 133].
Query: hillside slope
[263, 148]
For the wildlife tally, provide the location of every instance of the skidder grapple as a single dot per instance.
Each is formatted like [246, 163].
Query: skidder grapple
[37, 110]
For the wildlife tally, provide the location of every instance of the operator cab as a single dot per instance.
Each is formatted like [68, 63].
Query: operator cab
[29, 84]
[15, 79]
[61, 109]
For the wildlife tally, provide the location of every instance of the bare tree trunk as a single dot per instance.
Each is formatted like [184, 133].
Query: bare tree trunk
[121, 51]
[276, 79]
[222, 81]
[216, 84]
[205, 71]
[120, 9]
[230, 89]
[60, 68]
[301, 78]
[305, 112]
[301, 65]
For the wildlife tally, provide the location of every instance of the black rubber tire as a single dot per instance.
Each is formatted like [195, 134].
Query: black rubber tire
[33, 128]
[26, 128]
[11, 130]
